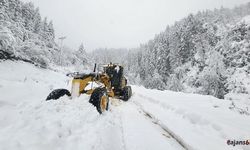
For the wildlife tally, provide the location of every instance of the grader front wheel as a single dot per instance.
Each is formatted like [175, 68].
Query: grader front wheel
[99, 98]
[104, 103]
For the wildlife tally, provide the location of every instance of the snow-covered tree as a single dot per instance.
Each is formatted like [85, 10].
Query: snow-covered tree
[7, 40]
[174, 83]
[155, 81]
[213, 77]
[28, 15]
[37, 22]
[51, 31]
[82, 55]
[4, 6]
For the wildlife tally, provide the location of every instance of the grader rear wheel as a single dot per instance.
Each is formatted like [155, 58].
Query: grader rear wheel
[100, 99]
[127, 93]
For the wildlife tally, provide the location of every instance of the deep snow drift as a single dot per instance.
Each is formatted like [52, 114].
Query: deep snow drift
[151, 119]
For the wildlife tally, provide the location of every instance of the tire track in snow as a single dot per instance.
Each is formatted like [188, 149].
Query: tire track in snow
[117, 118]
[157, 122]
[140, 133]
[111, 133]
[122, 132]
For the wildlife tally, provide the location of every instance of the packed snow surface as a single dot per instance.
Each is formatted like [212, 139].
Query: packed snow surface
[151, 119]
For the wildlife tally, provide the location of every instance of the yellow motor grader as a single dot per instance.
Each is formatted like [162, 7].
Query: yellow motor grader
[110, 82]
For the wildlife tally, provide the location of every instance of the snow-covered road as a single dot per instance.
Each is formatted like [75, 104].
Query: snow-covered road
[151, 119]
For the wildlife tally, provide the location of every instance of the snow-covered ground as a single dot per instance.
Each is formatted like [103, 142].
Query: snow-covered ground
[151, 119]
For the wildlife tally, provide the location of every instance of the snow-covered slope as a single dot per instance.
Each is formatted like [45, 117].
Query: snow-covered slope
[202, 122]
[151, 119]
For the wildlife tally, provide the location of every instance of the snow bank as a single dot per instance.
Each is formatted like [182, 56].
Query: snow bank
[151, 119]
[202, 122]
[27, 121]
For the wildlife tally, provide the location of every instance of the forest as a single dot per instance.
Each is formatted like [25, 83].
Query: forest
[206, 53]
[25, 35]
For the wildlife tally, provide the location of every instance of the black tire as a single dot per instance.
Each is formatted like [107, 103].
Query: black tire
[100, 99]
[56, 94]
[127, 93]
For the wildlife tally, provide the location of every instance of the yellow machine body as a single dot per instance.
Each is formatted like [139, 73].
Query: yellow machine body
[79, 84]
[100, 85]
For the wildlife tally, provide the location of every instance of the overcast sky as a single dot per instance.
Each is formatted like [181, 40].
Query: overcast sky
[118, 23]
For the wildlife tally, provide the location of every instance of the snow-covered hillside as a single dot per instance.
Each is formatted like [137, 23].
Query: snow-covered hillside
[151, 119]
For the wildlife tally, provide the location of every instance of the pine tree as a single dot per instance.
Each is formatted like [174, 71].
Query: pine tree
[18, 18]
[213, 76]
[4, 6]
[11, 8]
[174, 54]
[51, 31]
[37, 22]
[28, 12]
[82, 55]
[45, 29]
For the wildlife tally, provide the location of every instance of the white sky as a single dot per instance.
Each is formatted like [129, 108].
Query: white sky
[118, 23]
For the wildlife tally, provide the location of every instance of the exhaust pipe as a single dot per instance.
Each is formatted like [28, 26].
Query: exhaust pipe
[94, 68]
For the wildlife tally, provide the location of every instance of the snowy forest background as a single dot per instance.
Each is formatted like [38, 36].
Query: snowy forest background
[25, 35]
[206, 53]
